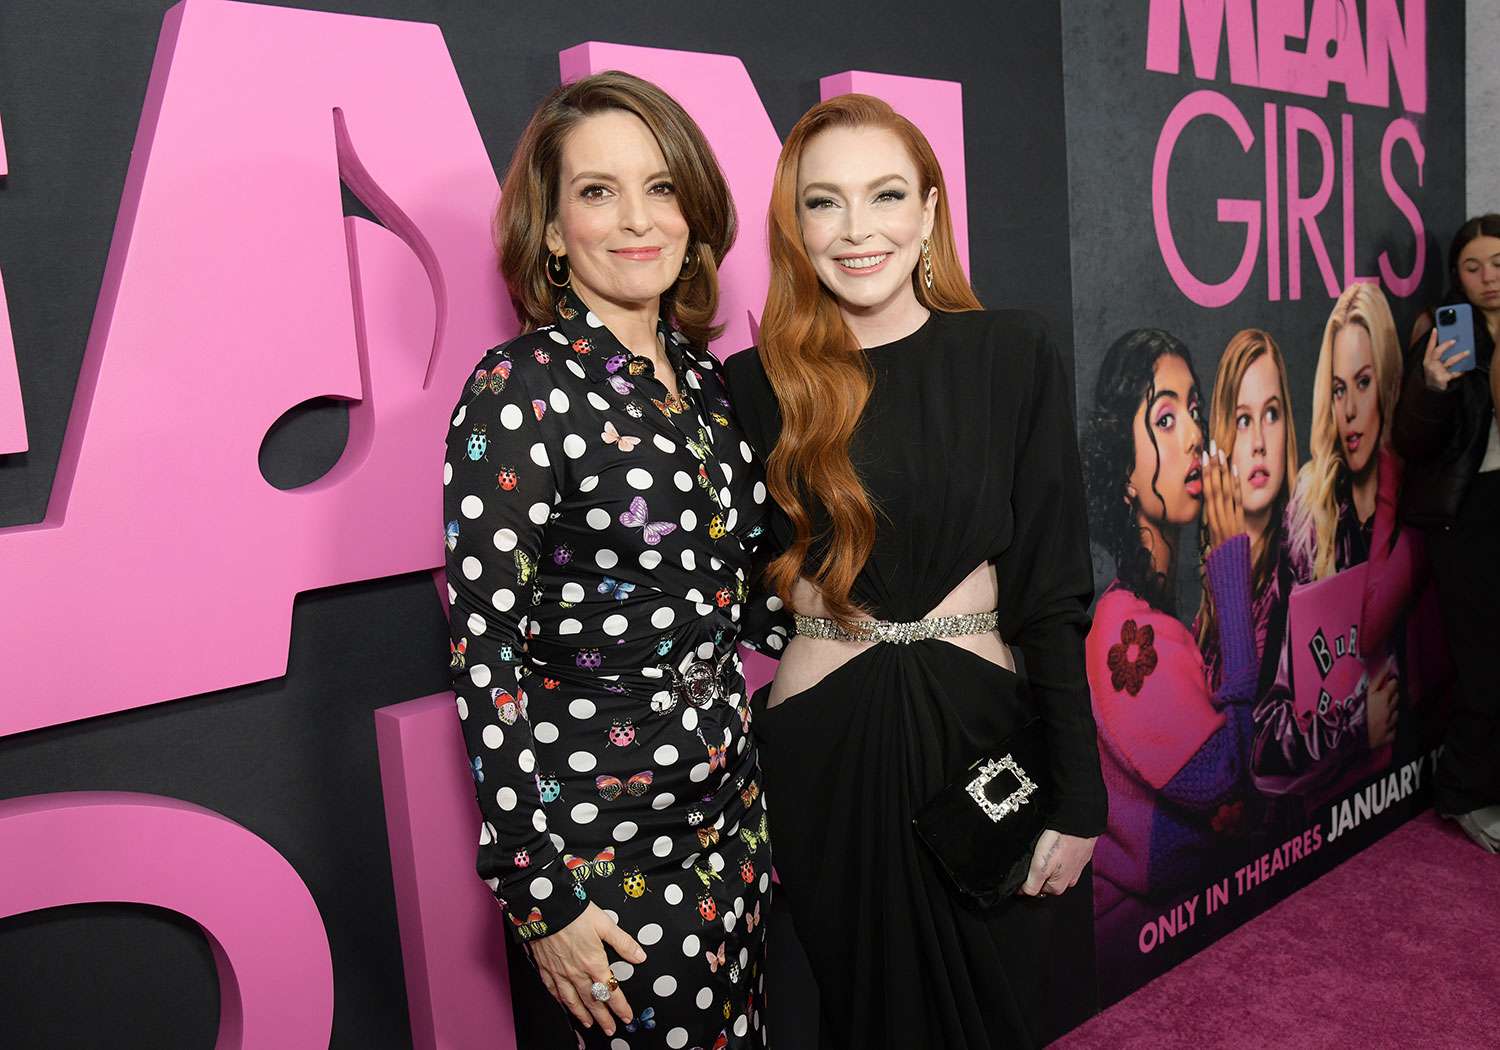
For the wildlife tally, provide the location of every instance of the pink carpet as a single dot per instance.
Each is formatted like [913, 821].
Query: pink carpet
[1397, 947]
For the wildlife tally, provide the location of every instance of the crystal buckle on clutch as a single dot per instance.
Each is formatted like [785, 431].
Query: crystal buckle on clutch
[998, 811]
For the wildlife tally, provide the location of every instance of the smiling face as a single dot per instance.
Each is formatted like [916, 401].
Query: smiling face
[1175, 496]
[863, 216]
[1479, 272]
[618, 220]
[1356, 398]
[1259, 453]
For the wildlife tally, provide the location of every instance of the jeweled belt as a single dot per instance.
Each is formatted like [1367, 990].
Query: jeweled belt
[897, 633]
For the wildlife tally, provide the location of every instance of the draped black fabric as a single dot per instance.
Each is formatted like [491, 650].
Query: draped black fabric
[968, 451]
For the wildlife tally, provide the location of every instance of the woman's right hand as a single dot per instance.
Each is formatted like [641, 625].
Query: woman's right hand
[1435, 371]
[573, 958]
[1222, 510]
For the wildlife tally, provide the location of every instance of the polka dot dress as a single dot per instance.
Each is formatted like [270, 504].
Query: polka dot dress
[600, 535]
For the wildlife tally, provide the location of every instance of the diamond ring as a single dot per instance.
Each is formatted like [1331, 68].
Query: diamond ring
[601, 991]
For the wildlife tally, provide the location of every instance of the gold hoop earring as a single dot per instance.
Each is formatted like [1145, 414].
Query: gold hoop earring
[926, 264]
[684, 274]
[557, 266]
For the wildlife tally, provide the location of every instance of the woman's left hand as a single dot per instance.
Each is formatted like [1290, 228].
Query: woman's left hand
[1056, 863]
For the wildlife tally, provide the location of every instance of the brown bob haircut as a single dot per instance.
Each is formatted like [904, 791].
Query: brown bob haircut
[529, 197]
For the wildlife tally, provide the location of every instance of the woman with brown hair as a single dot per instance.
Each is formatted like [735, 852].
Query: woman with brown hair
[602, 511]
[922, 459]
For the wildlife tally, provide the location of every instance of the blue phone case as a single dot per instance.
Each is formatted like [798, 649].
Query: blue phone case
[1459, 328]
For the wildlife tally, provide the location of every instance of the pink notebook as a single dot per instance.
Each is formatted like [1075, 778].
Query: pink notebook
[1323, 624]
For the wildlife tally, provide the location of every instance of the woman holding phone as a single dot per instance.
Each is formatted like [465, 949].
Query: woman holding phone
[1446, 426]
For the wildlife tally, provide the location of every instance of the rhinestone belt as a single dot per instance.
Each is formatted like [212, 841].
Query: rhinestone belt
[897, 633]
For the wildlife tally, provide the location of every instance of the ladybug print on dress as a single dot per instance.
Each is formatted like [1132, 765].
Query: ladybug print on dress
[578, 515]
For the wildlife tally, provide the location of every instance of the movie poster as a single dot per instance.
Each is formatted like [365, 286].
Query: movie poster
[1261, 196]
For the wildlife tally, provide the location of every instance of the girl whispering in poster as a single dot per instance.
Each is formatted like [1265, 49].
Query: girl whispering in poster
[1172, 747]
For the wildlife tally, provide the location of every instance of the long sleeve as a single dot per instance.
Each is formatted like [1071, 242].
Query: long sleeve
[1046, 583]
[499, 491]
[1425, 418]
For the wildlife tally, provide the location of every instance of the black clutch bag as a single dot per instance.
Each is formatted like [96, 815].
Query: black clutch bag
[983, 827]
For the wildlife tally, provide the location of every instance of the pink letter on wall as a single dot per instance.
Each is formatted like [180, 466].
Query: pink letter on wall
[267, 939]
[233, 292]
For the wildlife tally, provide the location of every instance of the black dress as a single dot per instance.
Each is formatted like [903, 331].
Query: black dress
[600, 535]
[968, 451]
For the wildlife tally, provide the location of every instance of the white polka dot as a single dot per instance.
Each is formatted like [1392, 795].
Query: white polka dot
[493, 737]
[773, 603]
[745, 452]
[458, 418]
[447, 473]
[662, 846]
[593, 320]
[539, 819]
[665, 755]
[625, 831]
[573, 446]
[479, 674]
[598, 518]
[472, 567]
[606, 558]
[728, 472]
[729, 920]
[716, 861]
[690, 719]
[510, 417]
[505, 540]
[622, 970]
[618, 1043]
[546, 732]
[689, 521]
[477, 624]
[581, 708]
[471, 507]
[662, 618]
[584, 813]
[572, 592]
[662, 801]
[570, 625]
[741, 1026]
[538, 513]
[558, 337]
[663, 444]
[576, 369]
[541, 888]
[558, 400]
[581, 761]
[682, 481]
[705, 995]
[637, 478]
[666, 984]
[505, 798]
[673, 895]
[690, 945]
[589, 483]
[503, 599]
[539, 455]
[598, 402]
[526, 760]
[699, 773]
[759, 492]
[724, 496]
[649, 559]
[677, 1038]
[689, 561]
[615, 625]
[706, 650]
[463, 707]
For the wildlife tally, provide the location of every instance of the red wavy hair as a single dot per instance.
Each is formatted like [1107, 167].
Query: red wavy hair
[817, 369]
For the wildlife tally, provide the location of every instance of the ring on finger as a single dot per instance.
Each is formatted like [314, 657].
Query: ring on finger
[601, 991]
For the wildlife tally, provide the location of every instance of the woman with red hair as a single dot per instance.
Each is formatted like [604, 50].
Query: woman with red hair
[929, 510]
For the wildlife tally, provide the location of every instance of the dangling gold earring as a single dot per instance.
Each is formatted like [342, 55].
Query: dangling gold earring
[691, 253]
[557, 267]
[926, 264]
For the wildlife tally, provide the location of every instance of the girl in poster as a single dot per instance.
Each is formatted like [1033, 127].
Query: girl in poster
[1172, 747]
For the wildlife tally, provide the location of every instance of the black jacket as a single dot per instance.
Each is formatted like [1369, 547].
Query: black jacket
[1442, 435]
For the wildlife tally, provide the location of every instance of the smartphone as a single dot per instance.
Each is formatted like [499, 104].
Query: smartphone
[1457, 323]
